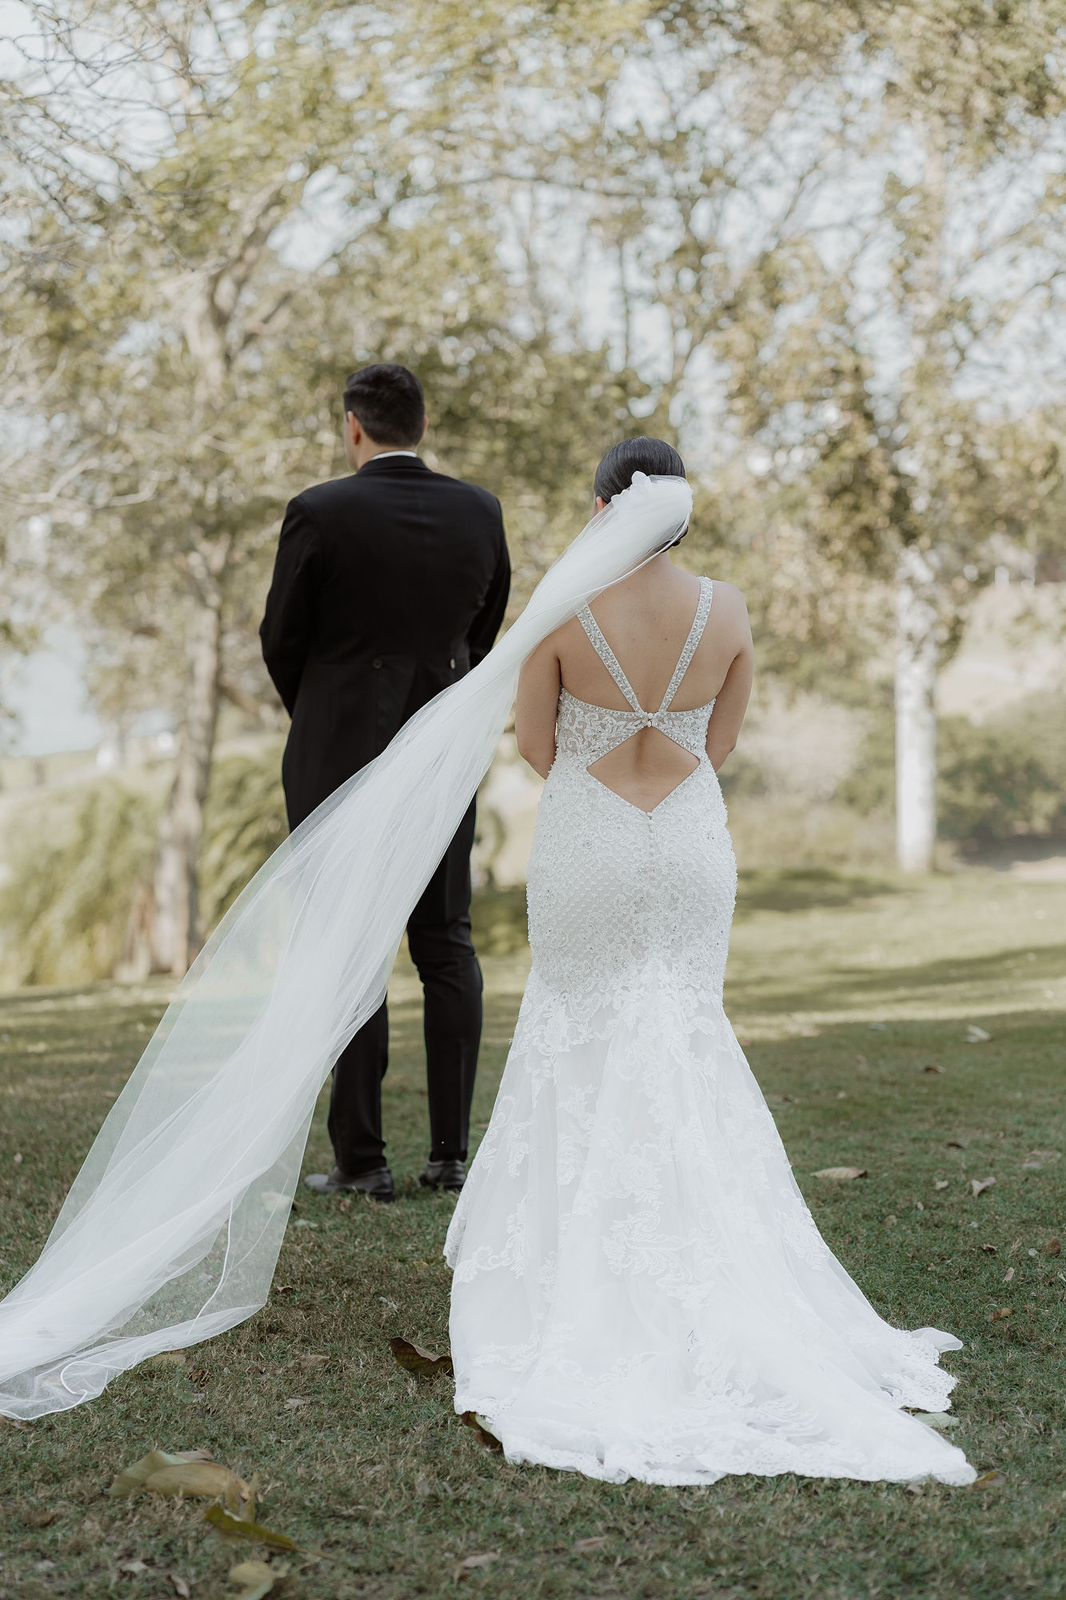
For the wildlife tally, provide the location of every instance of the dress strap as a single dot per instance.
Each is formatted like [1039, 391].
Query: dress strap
[608, 657]
[699, 622]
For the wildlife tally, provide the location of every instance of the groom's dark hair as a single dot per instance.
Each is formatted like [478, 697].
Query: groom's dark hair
[653, 456]
[389, 403]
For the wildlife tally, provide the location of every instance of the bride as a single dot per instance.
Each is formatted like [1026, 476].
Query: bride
[639, 1289]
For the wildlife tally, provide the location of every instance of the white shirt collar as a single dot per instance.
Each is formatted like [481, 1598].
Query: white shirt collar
[383, 453]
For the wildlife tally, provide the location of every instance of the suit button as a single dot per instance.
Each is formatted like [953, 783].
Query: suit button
[376, 662]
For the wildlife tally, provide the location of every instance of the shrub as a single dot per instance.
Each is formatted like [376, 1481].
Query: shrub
[245, 823]
[77, 877]
[75, 869]
[997, 780]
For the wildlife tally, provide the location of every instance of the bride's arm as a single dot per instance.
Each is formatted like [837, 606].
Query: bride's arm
[731, 703]
[537, 706]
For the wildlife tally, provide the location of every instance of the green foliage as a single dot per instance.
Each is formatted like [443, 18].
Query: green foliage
[79, 883]
[821, 262]
[997, 779]
[66, 907]
[245, 824]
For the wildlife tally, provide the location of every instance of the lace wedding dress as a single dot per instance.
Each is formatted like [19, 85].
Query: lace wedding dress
[639, 1289]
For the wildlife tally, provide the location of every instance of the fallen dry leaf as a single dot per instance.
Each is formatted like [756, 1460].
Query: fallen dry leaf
[422, 1363]
[1039, 1158]
[989, 1480]
[1008, 1275]
[241, 1528]
[167, 1358]
[1053, 1247]
[940, 1183]
[472, 1563]
[1002, 1314]
[181, 1585]
[842, 1174]
[200, 1480]
[470, 1420]
[255, 1578]
[39, 1518]
[932, 1066]
[976, 1035]
[132, 1479]
[134, 1569]
[596, 1543]
[252, 1571]
[956, 1144]
[979, 1185]
[989, 1249]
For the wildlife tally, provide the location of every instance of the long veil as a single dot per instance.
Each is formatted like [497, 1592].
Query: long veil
[171, 1231]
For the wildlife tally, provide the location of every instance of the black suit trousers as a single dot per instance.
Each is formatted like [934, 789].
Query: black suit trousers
[439, 939]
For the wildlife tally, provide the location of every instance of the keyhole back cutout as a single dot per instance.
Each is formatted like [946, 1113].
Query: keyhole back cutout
[647, 765]
[645, 769]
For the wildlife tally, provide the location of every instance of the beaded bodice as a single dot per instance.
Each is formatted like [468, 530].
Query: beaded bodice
[587, 732]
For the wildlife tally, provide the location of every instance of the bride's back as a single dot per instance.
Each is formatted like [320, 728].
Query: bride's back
[646, 621]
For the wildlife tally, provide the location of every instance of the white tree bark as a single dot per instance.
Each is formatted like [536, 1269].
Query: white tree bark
[917, 652]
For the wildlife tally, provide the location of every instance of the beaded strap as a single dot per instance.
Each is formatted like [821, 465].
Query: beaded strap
[699, 622]
[608, 657]
[614, 666]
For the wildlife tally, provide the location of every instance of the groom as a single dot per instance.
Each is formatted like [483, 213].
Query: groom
[388, 586]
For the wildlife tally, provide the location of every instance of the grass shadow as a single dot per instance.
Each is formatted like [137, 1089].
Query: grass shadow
[808, 888]
[846, 986]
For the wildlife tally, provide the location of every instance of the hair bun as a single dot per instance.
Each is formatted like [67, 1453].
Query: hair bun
[636, 460]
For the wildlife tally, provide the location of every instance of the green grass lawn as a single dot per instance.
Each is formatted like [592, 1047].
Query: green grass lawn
[854, 998]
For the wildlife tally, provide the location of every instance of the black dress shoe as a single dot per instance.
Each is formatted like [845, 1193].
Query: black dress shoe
[376, 1185]
[450, 1175]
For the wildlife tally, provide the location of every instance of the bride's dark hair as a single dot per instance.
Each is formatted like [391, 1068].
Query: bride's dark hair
[653, 456]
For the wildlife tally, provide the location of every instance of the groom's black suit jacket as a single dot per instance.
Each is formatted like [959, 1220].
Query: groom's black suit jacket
[388, 586]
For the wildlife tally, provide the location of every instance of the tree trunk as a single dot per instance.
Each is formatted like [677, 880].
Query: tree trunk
[917, 650]
[175, 933]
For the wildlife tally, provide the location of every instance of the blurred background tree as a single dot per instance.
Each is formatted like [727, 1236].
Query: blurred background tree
[186, 155]
[819, 246]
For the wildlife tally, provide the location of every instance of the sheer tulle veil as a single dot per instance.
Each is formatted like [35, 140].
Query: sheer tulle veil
[171, 1231]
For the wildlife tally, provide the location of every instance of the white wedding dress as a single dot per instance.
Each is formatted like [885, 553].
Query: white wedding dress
[639, 1289]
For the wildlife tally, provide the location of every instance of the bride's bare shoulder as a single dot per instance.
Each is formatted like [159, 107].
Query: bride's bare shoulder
[729, 612]
[727, 594]
[554, 643]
